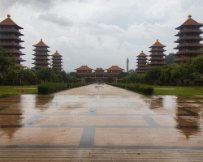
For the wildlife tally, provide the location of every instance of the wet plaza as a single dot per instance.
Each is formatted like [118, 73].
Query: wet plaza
[100, 123]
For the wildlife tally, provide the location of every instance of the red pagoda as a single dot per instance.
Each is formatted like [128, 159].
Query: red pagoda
[41, 55]
[141, 63]
[56, 61]
[157, 55]
[10, 39]
[189, 40]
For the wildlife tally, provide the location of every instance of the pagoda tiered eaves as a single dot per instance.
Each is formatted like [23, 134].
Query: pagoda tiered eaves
[141, 63]
[41, 59]
[56, 61]
[10, 39]
[157, 56]
[189, 40]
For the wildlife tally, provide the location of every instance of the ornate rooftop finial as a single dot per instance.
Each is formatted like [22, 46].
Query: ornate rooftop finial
[189, 16]
[56, 51]
[142, 51]
[8, 15]
[157, 40]
[41, 39]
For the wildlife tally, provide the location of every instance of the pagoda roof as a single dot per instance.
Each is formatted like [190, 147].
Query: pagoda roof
[157, 44]
[40, 44]
[83, 67]
[9, 21]
[99, 69]
[190, 21]
[115, 67]
[142, 54]
[56, 54]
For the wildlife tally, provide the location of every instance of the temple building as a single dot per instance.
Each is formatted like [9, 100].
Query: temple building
[10, 39]
[157, 55]
[113, 71]
[84, 71]
[189, 45]
[56, 61]
[41, 59]
[141, 63]
[98, 74]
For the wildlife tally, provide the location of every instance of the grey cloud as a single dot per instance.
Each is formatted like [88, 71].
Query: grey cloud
[54, 18]
[37, 4]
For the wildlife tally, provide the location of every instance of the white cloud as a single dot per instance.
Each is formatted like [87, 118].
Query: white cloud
[99, 33]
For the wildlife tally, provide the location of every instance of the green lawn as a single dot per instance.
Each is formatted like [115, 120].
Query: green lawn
[18, 89]
[178, 90]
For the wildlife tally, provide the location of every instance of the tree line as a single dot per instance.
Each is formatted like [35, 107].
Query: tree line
[185, 73]
[12, 75]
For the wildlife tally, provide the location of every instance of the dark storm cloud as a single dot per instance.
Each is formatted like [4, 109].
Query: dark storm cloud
[54, 18]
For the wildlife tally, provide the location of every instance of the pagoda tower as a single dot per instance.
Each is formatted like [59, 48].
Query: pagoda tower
[157, 55]
[127, 65]
[41, 55]
[56, 61]
[189, 45]
[141, 63]
[10, 39]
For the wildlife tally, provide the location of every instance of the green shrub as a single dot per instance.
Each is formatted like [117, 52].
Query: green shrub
[47, 88]
[145, 89]
[74, 85]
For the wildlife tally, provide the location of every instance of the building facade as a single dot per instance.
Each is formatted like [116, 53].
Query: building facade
[56, 61]
[41, 56]
[86, 72]
[157, 56]
[10, 39]
[189, 45]
[141, 63]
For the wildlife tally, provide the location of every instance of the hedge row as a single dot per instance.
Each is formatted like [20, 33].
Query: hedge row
[145, 89]
[47, 88]
[74, 85]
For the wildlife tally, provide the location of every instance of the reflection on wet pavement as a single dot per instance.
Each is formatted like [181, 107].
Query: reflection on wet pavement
[101, 117]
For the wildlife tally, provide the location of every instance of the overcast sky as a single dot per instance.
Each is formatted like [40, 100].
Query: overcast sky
[99, 33]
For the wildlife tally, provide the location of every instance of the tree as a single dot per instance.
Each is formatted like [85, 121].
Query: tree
[131, 71]
[122, 74]
[12, 75]
[197, 64]
[152, 75]
[183, 72]
[165, 76]
[169, 58]
[5, 63]
[46, 75]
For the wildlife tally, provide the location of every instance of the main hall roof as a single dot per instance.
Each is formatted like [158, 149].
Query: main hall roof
[84, 67]
[115, 67]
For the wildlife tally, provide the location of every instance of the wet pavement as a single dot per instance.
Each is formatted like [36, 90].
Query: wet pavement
[100, 122]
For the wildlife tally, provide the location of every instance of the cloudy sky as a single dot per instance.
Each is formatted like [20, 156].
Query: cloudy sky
[99, 33]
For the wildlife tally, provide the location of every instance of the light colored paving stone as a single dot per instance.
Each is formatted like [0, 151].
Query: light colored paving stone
[83, 124]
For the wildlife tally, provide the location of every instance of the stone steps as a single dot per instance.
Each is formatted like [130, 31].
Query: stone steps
[113, 155]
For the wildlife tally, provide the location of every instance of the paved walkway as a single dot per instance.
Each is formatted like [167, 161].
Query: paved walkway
[100, 123]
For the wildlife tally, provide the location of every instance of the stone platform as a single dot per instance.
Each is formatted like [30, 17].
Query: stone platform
[100, 123]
